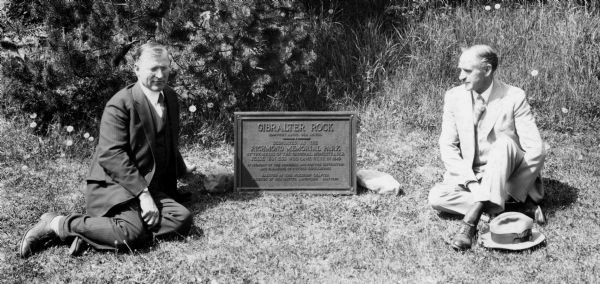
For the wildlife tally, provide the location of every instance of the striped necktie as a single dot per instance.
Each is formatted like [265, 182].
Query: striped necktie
[478, 109]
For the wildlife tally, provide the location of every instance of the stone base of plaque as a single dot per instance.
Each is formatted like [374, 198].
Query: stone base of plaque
[378, 182]
[219, 180]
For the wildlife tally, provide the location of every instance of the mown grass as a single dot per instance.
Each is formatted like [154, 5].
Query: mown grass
[367, 237]
[308, 238]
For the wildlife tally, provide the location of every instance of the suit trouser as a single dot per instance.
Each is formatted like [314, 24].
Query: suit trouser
[504, 158]
[123, 227]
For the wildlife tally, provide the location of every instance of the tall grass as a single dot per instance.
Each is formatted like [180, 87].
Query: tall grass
[400, 73]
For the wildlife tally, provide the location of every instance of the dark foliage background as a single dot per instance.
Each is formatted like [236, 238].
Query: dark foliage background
[62, 60]
[69, 57]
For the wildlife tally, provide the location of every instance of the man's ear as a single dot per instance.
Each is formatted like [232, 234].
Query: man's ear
[488, 69]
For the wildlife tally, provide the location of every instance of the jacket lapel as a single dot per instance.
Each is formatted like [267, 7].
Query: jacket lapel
[493, 109]
[172, 113]
[465, 119]
[173, 118]
[143, 110]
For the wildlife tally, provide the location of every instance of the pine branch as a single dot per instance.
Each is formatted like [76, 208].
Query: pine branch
[122, 52]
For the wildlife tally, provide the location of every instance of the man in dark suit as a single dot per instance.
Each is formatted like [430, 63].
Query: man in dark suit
[132, 183]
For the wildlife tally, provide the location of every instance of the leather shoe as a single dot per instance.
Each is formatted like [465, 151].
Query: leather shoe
[78, 246]
[38, 236]
[463, 240]
[534, 211]
[529, 208]
[539, 216]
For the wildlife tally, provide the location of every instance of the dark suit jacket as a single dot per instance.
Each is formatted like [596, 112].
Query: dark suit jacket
[123, 163]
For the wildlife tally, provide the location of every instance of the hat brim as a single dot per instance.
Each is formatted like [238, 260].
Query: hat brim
[536, 239]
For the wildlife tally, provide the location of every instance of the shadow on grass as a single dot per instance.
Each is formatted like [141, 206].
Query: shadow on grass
[202, 200]
[559, 196]
[361, 190]
[449, 216]
[527, 250]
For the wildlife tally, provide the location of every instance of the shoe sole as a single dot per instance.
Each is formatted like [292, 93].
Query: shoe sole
[456, 248]
[21, 250]
[540, 217]
[77, 247]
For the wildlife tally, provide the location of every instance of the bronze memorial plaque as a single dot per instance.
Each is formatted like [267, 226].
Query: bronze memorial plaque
[312, 152]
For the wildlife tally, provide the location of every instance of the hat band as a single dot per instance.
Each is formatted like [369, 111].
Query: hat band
[512, 238]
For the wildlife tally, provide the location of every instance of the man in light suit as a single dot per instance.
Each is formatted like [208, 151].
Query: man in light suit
[131, 185]
[490, 146]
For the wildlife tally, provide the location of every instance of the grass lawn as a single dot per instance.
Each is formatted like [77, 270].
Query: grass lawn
[309, 238]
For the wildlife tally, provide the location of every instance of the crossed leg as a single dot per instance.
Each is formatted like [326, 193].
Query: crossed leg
[123, 228]
[505, 158]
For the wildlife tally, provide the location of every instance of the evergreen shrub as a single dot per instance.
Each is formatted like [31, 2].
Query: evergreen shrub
[64, 59]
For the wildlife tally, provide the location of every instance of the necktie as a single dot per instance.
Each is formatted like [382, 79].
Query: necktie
[160, 104]
[478, 109]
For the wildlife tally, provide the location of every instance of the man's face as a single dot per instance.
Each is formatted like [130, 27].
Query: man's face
[152, 70]
[474, 74]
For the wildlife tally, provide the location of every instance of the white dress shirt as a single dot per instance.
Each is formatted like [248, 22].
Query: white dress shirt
[153, 99]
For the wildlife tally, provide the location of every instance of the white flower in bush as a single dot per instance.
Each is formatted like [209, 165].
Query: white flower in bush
[564, 110]
[534, 72]
[69, 142]
[70, 128]
[33, 115]
[497, 6]
[86, 135]
[330, 11]
[488, 7]
[192, 108]
[33, 124]
[210, 105]
[24, 168]
[205, 16]
[91, 138]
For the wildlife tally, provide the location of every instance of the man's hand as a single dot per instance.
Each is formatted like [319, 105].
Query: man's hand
[150, 213]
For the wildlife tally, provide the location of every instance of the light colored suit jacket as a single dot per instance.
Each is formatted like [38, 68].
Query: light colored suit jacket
[123, 163]
[507, 113]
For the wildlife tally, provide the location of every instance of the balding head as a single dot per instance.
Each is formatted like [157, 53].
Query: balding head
[485, 53]
[153, 49]
[477, 65]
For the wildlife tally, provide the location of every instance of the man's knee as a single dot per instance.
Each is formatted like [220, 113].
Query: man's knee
[503, 141]
[502, 149]
[131, 234]
[184, 220]
[187, 221]
[435, 199]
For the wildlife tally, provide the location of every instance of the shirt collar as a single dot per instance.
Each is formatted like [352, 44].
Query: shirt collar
[486, 94]
[151, 95]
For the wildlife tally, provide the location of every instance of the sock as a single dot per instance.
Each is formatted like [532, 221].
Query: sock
[55, 223]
